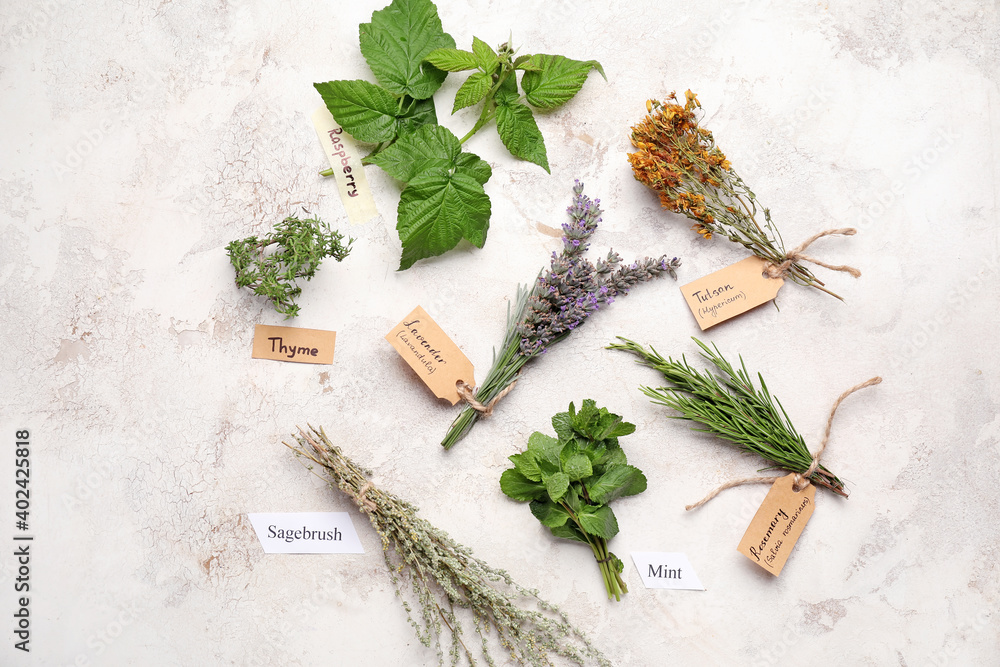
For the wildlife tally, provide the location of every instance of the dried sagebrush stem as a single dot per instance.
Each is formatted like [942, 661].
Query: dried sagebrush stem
[445, 577]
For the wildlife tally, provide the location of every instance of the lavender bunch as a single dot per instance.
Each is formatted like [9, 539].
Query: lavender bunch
[562, 298]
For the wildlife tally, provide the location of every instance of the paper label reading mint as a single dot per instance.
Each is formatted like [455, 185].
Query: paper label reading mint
[345, 161]
[432, 355]
[778, 523]
[730, 292]
[306, 533]
[666, 570]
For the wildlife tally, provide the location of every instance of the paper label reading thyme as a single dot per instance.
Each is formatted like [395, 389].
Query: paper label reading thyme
[304, 346]
[426, 348]
[730, 292]
[345, 160]
[778, 523]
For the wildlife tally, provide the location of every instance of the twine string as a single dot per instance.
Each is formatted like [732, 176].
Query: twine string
[802, 479]
[781, 269]
[468, 394]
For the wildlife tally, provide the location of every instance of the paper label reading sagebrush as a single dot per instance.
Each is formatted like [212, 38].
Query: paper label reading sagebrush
[345, 160]
[304, 346]
[778, 523]
[730, 292]
[426, 348]
[306, 533]
[666, 570]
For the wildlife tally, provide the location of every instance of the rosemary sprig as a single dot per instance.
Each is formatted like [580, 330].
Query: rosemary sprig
[730, 406]
[445, 576]
[681, 162]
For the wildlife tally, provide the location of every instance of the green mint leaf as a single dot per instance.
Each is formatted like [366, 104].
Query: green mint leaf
[617, 481]
[578, 467]
[486, 57]
[525, 63]
[556, 485]
[569, 531]
[517, 486]
[365, 111]
[526, 465]
[473, 91]
[436, 210]
[417, 113]
[544, 446]
[556, 80]
[396, 42]
[562, 423]
[599, 521]
[549, 513]
[520, 134]
[430, 147]
[451, 60]
[613, 457]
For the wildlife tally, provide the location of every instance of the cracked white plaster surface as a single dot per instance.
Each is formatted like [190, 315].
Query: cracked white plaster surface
[141, 138]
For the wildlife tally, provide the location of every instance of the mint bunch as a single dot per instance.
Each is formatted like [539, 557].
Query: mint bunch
[570, 480]
[410, 55]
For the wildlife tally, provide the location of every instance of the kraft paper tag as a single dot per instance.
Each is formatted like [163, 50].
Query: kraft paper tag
[778, 523]
[730, 292]
[431, 354]
[345, 160]
[666, 570]
[304, 346]
[306, 533]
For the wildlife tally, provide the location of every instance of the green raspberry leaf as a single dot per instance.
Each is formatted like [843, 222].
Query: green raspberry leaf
[525, 63]
[617, 481]
[417, 113]
[437, 209]
[556, 485]
[365, 111]
[486, 57]
[599, 521]
[473, 90]
[549, 513]
[430, 147]
[556, 80]
[398, 40]
[471, 164]
[520, 134]
[451, 60]
[517, 486]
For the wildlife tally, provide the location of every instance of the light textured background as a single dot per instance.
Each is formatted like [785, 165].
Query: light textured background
[138, 140]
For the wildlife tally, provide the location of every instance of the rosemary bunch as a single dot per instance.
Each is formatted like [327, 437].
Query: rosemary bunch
[445, 576]
[562, 298]
[680, 161]
[271, 265]
[730, 406]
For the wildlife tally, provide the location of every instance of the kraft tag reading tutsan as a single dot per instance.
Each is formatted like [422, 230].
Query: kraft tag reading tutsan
[730, 292]
[778, 523]
[345, 161]
[426, 348]
[304, 346]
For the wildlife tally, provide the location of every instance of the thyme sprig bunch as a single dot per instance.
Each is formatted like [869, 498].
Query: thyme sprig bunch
[681, 162]
[730, 406]
[271, 265]
[445, 577]
[562, 298]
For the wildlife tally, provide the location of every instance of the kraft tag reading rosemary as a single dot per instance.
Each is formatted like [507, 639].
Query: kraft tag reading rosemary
[306, 533]
[304, 346]
[778, 523]
[426, 348]
[730, 292]
[345, 161]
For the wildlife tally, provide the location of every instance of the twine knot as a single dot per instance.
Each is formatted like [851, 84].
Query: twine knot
[801, 479]
[781, 269]
[360, 498]
[468, 395]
